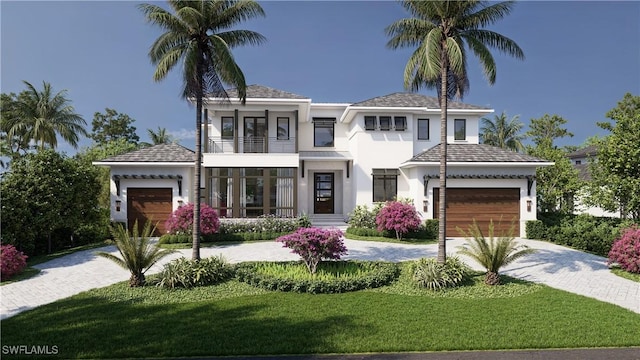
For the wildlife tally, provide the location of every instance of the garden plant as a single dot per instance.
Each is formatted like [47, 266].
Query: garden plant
[315, 244]
[397, 216]
[12, 261]
[626, 251]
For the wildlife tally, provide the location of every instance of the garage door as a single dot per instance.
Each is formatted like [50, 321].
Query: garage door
[149, 204]
[464, 205]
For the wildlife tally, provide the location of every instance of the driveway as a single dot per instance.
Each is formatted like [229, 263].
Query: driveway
[556, 266]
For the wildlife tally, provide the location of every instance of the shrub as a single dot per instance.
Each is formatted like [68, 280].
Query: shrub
[314, 245]
[430, 274]
[626, 250]
[363, 217]
[365, 232]
[265, 223]
[431, 227]
[187, 273]
[332, 276]
[181, 220]
[536, 229]
[399, 217]
[12, 261]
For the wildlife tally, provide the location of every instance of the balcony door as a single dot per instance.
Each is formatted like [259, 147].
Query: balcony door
[255, 129]
[324, 193]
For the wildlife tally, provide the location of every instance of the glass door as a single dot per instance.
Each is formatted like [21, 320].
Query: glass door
[323, 185]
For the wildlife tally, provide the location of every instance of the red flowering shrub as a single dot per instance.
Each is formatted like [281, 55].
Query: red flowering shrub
[399, 217]
[181, 220]
[626, 250]
[12, 261]
[314, 244]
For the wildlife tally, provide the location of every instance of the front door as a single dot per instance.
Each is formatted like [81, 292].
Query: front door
[323, 185]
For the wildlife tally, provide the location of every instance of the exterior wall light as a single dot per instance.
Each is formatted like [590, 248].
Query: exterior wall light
[118, 204]
[180, 203]
[425, 205]
[528, 205]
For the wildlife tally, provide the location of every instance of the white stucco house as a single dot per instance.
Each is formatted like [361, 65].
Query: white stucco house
[283, 154]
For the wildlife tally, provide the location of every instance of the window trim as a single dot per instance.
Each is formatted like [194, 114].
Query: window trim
[324, 122]
[427, 128]
[288, 136]
[464, 129]
[373, 127]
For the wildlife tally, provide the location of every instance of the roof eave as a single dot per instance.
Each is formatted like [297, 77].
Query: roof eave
[410, 164]
[138, 163]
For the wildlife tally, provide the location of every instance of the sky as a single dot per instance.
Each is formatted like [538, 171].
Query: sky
[581, 58]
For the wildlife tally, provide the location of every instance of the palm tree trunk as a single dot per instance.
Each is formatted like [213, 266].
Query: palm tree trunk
[442, 208]
[198, 163]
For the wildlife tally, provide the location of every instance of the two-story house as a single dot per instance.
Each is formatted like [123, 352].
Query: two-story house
[283, 154]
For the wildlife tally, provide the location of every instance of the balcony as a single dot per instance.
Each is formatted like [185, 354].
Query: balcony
[251, 145]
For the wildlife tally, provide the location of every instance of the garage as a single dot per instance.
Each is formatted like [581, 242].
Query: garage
[482, 204]
[149, 204]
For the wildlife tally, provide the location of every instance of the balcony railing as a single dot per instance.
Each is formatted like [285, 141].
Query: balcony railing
[249, 145]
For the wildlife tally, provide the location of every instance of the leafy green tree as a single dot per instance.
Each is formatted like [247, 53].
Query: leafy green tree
[502, 132]
[440, 30]
[615, 172]
[113, 126]
[15, 146]
[42, 115]
[198, 36]
[558, 184]
[43, 193]
[159, 137]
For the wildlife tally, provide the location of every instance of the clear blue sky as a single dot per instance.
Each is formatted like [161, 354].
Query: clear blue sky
[581, 58]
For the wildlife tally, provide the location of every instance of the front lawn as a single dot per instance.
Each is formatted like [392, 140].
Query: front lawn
[237, 319]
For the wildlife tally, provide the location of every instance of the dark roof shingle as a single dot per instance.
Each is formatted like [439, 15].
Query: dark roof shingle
[406, 99]
[590, 150]
[264, 92]
[158, 153]
[474, 153]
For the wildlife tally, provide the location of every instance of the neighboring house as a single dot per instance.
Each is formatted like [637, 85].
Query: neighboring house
[282, 154]
[580, 160]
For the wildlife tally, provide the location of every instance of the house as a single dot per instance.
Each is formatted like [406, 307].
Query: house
[283, 154]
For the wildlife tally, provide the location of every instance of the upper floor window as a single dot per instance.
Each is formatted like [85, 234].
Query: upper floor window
[283, 128]
[369, 122]
[227, 127]
[423, 129]
[460, 129]
[385, 123]
[400, 123]
[323, 132]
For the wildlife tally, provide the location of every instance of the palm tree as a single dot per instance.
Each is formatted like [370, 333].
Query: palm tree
[440, 30]
[197, 35]
[503, 133]
[137, 252]
[492, 253]
[42, 115]
[159, 137]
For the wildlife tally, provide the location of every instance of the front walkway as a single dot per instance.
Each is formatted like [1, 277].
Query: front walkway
[553, 265]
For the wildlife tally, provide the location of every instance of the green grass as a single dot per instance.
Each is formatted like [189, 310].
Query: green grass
[236, 319]
[414, 241]
[625, 274]
[27, 273]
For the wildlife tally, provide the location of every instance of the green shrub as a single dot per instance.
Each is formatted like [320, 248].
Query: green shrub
[331, 276]
[428, 273]
[430, 228]
[264, 224]
[536, 229]
[363, 217]
[185, 273]
[367, 232]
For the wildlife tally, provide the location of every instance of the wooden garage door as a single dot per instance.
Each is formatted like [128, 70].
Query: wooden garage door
[149, 204]
[464, 205]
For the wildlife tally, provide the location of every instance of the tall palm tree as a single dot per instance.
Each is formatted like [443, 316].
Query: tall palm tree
[42, 115]
[159, 137]
[440, 30]
[198, 35]
[503, 133]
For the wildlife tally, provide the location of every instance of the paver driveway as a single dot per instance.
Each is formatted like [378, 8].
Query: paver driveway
[553, 265]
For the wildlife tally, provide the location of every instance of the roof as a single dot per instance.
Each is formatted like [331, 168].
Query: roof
[406, 99]
[590, 150]
[158, 153]
[265, 92]
[474, 153]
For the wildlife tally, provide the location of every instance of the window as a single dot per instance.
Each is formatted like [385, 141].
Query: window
[385, 184]
[283, 128]
[460, 126]
[385, 123]
[323, 132]
[423, 129]
[227, 127]
[369, 122]
[400, 123]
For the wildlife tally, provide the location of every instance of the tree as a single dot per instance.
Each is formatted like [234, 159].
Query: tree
[615, 171]
[398, 216]
[159, 137]
[197, 36]
[42, 115]
[440, 30]
[558, 184]
[503, 133]
[43, 193]
[112, 126]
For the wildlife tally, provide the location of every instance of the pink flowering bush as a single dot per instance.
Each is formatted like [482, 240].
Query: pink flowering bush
[397, 216]
[314, 245]
[12, 261]
[626, 250]
[181, 220]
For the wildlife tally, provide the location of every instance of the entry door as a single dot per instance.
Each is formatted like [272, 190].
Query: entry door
[323, 185]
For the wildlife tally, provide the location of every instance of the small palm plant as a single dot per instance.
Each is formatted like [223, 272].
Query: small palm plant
[137, 252]
[493, 252]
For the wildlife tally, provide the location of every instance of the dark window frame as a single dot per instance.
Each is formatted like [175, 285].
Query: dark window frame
[428, 123]
[403, 125]
[382, 120]
[373, 125]
[283, 137]
[224, 119]
[389, 178]
[324, 123]
[463, 131]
